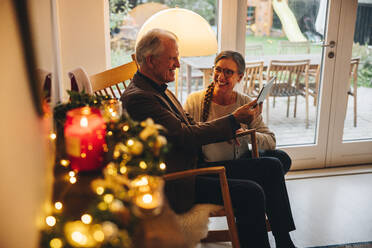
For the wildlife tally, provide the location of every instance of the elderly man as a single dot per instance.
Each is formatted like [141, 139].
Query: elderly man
[147, 96]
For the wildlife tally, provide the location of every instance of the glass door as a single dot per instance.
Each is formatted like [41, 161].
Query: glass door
[350, 132]
[284, 36]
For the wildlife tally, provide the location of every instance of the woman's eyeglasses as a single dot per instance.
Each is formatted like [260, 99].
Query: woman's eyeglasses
[227, 72]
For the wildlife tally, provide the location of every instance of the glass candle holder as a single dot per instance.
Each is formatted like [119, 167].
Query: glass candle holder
[111, 110]
[147, 195]
[85, 132]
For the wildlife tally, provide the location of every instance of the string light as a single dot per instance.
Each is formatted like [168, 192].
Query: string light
[130, 142]
[79, 238]
[100, 190]
[73, 180]
[102, 206]
[99, 235]
[123, 169]
[86, 219]
[52, 136]
[56, 243]
[162, 166]
[71, 173]
[108, 198]
[50, 220]
[83, 155]
[143, 165]
[109, 133]
[64, 162]
[58, 205]
[125, 128]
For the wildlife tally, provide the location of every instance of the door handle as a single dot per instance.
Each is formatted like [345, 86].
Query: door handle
[331, 44]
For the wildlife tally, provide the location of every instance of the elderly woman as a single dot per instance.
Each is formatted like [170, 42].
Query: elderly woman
[267, 171]
[220, 99]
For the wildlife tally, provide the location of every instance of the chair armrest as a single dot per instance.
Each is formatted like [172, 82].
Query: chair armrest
[194, 172]
[252, 133]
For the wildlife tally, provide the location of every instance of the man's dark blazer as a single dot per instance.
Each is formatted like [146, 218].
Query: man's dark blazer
[186, 137]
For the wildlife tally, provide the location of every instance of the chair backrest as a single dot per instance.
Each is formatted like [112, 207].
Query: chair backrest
[254, 49]
[354, 63]
[290, 47]
[288, 75]
[353, 78]
[44, 79]
[253, 77]
[113, 81]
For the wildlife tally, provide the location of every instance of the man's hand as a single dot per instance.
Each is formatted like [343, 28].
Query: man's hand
[247, 113]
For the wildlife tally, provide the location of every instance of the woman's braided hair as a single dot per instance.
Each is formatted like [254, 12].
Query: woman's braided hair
[240, 62]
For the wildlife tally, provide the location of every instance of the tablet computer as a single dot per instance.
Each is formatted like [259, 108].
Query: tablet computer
[265, 90]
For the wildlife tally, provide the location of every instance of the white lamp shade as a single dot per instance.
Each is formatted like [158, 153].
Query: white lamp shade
[143, 11]
[195, 35]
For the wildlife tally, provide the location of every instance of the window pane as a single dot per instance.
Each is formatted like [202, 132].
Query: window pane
[127, 17]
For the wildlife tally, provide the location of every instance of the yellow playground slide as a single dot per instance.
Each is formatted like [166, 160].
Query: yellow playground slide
[288, 20]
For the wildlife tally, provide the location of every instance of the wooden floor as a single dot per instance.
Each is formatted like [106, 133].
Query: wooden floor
[333, 206]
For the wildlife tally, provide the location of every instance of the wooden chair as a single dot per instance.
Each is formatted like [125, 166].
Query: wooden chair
[221, 235]
[353, 84]
[289, 75]
[113, 81]
[44, 79]
[253, 78]
[290, 47]
[254, 49]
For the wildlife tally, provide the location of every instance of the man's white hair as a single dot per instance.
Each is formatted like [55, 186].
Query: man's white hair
[151, 44]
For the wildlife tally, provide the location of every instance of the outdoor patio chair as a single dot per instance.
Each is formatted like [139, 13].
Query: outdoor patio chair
[227, 211]
[114, 81]
[290, 47]
[254, 49]
[353, 84]
[253, 78]
[313, 84]
[289, 75]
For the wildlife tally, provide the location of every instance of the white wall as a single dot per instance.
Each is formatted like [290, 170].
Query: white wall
[23, 153]
[83, 36]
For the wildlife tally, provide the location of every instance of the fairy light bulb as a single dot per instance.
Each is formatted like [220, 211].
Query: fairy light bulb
[71, 173]
[50, 220]
[99, 236]
[123, 169]
[162, 166]
[58, 205]
[100, 190]
[73, 180]
[64, 162]
[108, 198]
[130, 142]
[52, 136]
[56, 243]
[125, 128]
[143, 165]
[79, 238]
[84, 121]
[86, 219]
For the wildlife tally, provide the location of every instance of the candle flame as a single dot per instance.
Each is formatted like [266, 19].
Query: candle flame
[147, 198]
[84, 121]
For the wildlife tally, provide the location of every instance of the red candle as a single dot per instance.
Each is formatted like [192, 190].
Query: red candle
[85, 132]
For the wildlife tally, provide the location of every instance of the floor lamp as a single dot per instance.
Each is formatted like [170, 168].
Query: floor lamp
[195, 35]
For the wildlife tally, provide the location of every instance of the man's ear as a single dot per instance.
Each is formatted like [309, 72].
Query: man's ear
[150, 61]
[240, 77]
